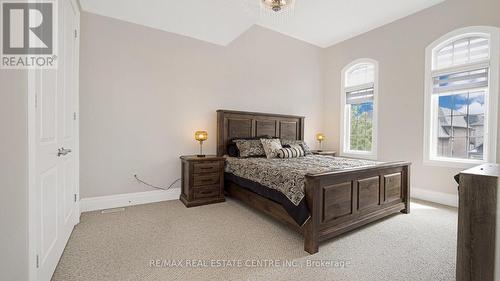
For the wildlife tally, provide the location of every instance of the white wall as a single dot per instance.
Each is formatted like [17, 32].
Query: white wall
[13, 176]
[400, 50]
[144, 92]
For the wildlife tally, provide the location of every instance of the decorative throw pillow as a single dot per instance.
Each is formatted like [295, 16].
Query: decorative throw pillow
[292, 152]
[305, 147]
[298, 147]
[271, 146]
[250, 148]
[232, 150]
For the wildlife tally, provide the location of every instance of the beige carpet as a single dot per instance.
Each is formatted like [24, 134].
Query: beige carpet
[120, 246]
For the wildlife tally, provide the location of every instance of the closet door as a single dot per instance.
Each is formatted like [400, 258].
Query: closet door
[57, 147]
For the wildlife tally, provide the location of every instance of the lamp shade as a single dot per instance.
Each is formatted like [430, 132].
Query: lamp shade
[201, 135]
[320, 137]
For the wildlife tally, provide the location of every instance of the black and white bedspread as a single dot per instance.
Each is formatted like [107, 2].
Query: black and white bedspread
[288, 175]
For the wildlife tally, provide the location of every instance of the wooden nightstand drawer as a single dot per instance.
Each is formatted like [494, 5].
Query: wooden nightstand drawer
[207, 192]
[209, 167]
[206, 179]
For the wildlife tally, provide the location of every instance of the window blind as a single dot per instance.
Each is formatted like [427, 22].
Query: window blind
[464, 51]
[360, 74]
[360, 96]
[459, 81]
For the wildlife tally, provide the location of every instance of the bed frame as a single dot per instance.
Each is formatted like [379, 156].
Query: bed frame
[338, 201]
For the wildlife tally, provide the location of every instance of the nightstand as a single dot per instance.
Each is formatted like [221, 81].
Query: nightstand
[324, 152]
[202, 180]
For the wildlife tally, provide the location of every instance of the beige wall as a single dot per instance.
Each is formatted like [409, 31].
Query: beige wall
[400, 50]
[144, 92]
[13, 176]
[141, 102]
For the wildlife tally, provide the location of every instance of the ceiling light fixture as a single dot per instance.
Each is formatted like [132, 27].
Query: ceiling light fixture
[276, 5]
[278, 10]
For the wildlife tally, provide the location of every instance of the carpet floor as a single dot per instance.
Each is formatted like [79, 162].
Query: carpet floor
[229, 241]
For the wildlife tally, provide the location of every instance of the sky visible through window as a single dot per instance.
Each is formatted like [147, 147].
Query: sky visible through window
[459, 102]
[365, 107]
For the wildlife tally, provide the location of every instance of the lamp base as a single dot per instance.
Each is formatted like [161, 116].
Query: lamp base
[200, 155]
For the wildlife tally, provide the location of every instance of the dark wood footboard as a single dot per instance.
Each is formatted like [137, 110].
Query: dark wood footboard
[344, 200]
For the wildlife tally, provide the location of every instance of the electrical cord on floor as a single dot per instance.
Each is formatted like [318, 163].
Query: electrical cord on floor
[157, 187]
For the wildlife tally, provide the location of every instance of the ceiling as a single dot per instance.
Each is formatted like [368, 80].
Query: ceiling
[319, 22]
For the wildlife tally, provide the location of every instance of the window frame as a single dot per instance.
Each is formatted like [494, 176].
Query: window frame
[491, 100]
[345, 119]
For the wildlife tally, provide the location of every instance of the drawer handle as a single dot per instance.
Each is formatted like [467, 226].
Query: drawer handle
[206, 168]
[206, 192]
[206, 180]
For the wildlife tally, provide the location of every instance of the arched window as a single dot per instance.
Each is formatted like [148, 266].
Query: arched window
[462, 97]
[359, 109]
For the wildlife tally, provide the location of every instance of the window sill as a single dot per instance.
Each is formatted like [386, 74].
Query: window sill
[451, 163]
[359, 155]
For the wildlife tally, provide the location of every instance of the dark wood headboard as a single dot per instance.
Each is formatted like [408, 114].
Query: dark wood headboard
[241, 124]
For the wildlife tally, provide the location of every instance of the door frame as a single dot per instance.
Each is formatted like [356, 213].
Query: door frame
[32, 156]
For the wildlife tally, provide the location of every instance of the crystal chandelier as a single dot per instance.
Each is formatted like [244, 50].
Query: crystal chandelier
[277, 5]
[277, 10]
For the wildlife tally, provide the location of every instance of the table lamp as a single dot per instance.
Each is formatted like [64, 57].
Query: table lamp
[320, 137]
[201, 136]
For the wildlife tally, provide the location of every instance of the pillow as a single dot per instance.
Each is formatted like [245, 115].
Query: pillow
[233, 151]
[271, 146]
[250, 148]
[305, 147]
[293, 152]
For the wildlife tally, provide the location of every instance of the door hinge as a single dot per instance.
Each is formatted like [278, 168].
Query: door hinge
[37, 262]
[74, 116]
[75, 197]
[36, 100]
[76, 34]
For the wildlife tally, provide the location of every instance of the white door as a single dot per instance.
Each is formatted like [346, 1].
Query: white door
[57, 147]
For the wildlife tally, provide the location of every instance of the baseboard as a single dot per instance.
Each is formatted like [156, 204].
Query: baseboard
[128, 199]
[436, 197]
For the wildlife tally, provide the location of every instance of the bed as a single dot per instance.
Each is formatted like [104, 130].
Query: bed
[330, 196]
